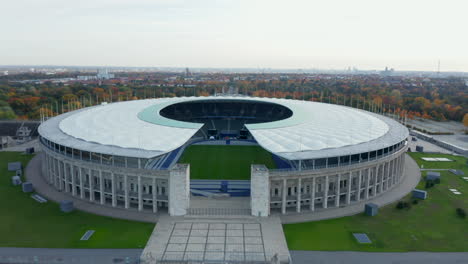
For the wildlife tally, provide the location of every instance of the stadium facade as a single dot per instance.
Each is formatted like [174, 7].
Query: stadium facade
[125, 154]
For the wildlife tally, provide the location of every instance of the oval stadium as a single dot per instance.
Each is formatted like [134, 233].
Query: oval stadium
[278, 156]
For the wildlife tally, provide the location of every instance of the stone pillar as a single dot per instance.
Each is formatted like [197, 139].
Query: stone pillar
[56, 175]
[60, 175]
[325, 193]
[338, 191]
[366, 194]
[140, 194]
[101, 188]
[155, 197]
[397, 174]
[179, 189]
[91, 186]
[82, 190]
[127, 199]
[66, 178]
[260, 190]
[374, 187]
[388, 176]
[114, 195]
[402, 164]
[283, 197]
[73, 180]
[47, 167]
[312, 195]
[348, 194]
[299, 194]
[358, 190]
[381, 169]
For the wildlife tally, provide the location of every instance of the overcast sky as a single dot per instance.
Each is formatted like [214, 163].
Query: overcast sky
[368, 34]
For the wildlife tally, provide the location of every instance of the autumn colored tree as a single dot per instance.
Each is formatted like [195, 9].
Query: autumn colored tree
[465, 122]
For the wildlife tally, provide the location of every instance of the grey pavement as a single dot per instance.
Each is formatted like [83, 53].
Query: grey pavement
[33, 174]
[211, 239]
[428, 147]
[409, 182]
[22, 147]
[65, 256]
[351, 257]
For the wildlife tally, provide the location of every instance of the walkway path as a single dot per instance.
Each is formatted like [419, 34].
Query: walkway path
[410, 181]
[349, 257]
[64, 256]
[33, 174]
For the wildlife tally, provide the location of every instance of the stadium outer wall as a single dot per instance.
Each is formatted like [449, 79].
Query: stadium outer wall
[274, 191]
[293, 191]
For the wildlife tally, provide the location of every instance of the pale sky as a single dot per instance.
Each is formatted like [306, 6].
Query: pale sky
[326, 34]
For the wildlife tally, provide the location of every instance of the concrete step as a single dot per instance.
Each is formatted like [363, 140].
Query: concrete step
[218, 212]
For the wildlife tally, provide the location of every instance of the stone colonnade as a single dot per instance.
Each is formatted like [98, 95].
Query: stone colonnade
[301, 191]
[129, 188]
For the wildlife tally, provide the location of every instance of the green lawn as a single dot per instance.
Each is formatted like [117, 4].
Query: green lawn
[27, 223]
[430, 225]
[224, 162]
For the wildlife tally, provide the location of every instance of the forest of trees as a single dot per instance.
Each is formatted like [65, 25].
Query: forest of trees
[438, 99]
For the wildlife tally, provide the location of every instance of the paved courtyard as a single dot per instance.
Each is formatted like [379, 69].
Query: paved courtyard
[215, 241]
[247, 239]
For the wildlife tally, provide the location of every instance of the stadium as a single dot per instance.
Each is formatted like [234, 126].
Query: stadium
[285, 156]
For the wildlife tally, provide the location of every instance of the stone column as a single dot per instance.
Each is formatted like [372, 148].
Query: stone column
[155, 197]
[358, 191]
[337, 194]
[91, 186]
[312, 195]
[127, 199]
[73, 180]
[47, 159]
[388, 176]
[381, 169]
[374, 187]
[60, 175]
[402, 164]
[325, 193]
[66, 178]
[260, 190]
[101, 188]
[393, 171]
[114, 195]
[140, 194]
[348, 194]
[179, 189]
[82, 190]
[283, 194]
[299, 193]
[56, 175]
[366, 194]
[398, 169]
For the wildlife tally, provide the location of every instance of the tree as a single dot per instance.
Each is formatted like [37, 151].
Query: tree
[465, 121]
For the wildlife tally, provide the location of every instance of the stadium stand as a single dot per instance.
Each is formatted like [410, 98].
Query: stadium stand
[281, 163]
[225, 116]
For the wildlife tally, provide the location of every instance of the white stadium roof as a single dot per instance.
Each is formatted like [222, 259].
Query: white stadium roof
[136, 129]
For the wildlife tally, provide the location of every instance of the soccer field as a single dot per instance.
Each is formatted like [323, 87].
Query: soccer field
[224, 162]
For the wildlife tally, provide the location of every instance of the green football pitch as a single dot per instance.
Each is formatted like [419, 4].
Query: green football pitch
[224, 162]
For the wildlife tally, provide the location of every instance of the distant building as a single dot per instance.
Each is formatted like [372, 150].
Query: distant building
[104, 74]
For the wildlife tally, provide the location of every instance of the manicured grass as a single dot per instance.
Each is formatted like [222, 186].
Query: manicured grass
[430, 225]
[224, 162]
[27, 223]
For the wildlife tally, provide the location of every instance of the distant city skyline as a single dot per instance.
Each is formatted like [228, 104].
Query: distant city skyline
[299, 34]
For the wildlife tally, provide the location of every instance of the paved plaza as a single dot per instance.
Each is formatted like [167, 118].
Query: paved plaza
[246, 239]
